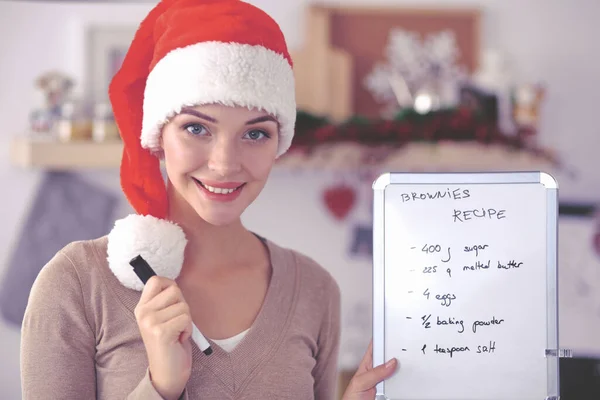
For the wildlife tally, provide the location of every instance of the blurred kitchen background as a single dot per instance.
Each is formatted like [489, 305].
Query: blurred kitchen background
[396, 85]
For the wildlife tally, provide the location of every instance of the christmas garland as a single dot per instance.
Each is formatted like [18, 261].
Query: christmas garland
[455, 124]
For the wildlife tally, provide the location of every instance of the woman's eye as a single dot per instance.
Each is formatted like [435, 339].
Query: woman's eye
[257, 135]
[195, 129]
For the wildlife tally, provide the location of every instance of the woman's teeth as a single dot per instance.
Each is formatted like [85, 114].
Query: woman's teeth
[218, 190]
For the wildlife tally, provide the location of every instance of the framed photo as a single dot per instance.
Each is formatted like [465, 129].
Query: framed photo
[106, 47]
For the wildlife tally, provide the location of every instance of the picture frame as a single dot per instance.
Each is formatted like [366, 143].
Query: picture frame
[105, 49]
[338, 54]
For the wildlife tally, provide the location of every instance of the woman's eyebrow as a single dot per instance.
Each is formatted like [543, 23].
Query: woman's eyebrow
[191, 111]
[263, 118]
[195, 113]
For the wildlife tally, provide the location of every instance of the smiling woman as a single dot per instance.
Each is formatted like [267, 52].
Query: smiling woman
[208, 86]
[218, 158]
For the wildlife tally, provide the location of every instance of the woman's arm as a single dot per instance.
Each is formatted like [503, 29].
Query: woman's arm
[325, 372]
[57, 341]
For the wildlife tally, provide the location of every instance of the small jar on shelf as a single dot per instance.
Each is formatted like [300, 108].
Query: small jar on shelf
[72, 124]
[104, 127]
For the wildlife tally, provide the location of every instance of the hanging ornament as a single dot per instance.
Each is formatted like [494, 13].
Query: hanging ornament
[340, 200]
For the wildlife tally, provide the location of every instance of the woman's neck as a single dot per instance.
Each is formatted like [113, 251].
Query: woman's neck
[210, 248]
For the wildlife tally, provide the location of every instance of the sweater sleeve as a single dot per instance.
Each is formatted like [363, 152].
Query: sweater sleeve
[57, 341]
[325, 372]
[146, 391]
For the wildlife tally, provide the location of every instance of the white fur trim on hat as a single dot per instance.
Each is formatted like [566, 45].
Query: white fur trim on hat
[160, 242]
[231, 74]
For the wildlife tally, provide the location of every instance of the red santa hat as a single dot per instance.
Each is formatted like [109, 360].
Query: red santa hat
[188, 53]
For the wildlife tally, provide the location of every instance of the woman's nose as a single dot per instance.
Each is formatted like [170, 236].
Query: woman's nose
[224, 158]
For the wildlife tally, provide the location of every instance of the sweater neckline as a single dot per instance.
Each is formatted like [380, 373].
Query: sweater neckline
[237, 368]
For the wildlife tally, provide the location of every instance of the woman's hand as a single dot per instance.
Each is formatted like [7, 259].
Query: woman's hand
[165, 325]
[362, 385]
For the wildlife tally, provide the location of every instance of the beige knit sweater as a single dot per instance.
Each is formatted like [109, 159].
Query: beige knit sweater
[80, 340]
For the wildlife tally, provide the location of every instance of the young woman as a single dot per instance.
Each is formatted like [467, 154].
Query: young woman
[207, 87]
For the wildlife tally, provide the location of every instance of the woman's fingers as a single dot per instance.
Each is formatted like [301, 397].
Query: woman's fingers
[153, 287]
[158, 294]
[180, 327]
[162, 311]
[171, 312]
[169, 296]
[367, 380]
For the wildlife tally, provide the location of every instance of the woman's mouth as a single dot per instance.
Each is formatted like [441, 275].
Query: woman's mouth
[225, 191]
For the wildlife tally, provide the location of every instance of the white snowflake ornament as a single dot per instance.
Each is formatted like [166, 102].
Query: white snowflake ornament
[414, 65]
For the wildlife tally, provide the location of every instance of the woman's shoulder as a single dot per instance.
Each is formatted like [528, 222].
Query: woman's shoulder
[67, 279]
[75, 264]
[85, 248]
[83, 256]
[312, 274]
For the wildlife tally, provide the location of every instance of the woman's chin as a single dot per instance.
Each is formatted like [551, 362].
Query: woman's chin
[222, 222]
[219, 218]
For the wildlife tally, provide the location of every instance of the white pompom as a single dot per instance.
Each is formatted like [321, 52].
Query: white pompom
[160, 242]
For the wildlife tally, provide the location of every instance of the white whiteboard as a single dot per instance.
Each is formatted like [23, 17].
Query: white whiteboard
[464, 285]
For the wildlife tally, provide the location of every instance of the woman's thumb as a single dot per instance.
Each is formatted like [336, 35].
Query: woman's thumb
[372, 377]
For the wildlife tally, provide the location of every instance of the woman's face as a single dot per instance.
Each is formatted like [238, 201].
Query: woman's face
[218, 158]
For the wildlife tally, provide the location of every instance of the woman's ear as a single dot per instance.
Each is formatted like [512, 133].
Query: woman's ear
[160, 153]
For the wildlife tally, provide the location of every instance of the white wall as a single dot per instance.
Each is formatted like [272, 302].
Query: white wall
[552, 41]
[34, 38]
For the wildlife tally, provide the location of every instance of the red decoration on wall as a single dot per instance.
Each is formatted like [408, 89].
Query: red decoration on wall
[339, 200]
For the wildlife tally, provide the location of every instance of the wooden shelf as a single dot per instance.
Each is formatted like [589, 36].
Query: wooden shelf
[45, 153]
[31, 152]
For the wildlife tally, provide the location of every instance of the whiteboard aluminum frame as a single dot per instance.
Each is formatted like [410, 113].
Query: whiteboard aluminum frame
[552, 353]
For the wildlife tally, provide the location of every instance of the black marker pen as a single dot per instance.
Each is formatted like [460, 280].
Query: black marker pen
[145, 272]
